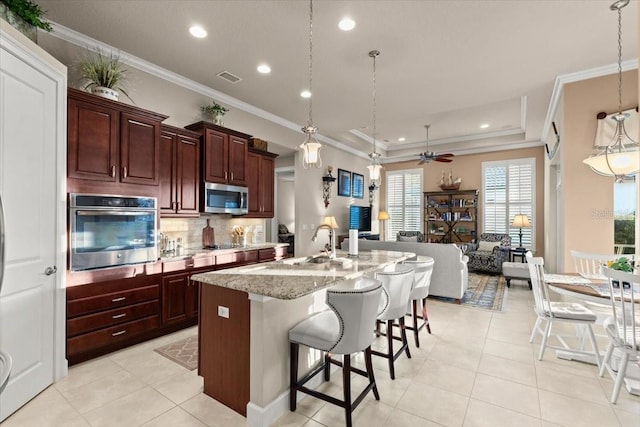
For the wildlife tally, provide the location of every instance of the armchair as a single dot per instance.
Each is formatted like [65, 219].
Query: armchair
[409, 236]
[489, 253]
[285, 237]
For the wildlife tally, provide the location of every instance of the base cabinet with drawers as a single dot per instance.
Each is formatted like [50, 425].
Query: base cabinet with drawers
[105, 316]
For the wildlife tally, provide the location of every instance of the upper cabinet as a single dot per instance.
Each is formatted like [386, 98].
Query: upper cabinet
[179, 172]
[260, 181]
[224, 154]
[111, 142]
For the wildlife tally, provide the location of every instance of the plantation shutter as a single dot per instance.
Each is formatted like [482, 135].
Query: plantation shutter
[404, 202]
[509, 190]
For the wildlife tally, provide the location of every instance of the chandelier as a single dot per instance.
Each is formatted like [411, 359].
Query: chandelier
[310, 148]
[375, 167]
[620, 158]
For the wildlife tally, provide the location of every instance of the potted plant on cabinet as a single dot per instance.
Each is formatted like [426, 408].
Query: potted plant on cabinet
[24, 15]
[105, 74]
[214, 112]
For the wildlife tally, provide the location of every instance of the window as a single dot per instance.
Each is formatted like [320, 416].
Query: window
[509, 189]
[404, 202]
[624, 212]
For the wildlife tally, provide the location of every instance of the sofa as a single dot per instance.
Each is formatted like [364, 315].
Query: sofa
[450, 276]
[489, 253]
[284, 236]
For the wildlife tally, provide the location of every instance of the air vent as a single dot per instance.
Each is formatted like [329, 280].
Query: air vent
[231, 78]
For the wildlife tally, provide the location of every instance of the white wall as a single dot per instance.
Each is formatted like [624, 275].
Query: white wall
[286, 202]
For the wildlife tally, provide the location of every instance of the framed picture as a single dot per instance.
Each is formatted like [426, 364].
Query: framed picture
[344, 183]
[357, 185]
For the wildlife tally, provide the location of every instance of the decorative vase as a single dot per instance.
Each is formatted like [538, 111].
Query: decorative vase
[105, 92]
[18, 23]
[217, 119]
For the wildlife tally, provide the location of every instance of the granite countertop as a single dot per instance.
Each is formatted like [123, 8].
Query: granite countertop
[196, 252]
[293, 278]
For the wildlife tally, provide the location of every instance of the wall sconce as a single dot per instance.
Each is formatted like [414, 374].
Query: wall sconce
[372, 193]
[327, 180]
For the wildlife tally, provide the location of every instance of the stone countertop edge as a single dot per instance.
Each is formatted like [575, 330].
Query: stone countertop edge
[194, 253]
[291, 286]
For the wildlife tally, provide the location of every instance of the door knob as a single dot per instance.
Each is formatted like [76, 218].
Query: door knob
[50, 270]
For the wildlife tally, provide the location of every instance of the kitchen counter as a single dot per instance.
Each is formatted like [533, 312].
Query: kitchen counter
[293, 278]
[200, 252]
[245, 315]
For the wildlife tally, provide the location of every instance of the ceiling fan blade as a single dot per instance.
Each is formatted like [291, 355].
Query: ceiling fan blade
[446, 155]
[443, 160]
[421, 162]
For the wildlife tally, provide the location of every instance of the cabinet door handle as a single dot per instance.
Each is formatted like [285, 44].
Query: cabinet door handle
[177, 206]
[225, 174]
[118, 299]
[113, 171]
[124, 171]
[231, 176]
[118, 316]
[115, 334]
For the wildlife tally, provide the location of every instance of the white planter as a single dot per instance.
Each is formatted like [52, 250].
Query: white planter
[105, 92]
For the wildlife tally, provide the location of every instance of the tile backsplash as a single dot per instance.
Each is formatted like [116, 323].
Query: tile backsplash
[190, 229]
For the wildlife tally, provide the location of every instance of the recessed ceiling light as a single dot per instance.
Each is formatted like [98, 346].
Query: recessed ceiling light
[264, 69]
[198, 32]
[484, 125]
[402, 139]
[305, 94]
[347, 24]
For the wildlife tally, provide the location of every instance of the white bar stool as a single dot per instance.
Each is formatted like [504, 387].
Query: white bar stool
[397, 281]
[345, 329]
[419, 293]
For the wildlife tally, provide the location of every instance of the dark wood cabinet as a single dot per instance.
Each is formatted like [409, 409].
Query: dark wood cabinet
[112, 142]
[260, 181]
[224, 154]
[105, 316]
[179, 172]
[180, 297]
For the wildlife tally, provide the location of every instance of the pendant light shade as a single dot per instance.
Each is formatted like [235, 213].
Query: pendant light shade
[620, 158]
[310, 147]
[375, 168]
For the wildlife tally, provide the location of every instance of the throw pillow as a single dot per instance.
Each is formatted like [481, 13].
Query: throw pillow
[282, 229]
[487, 246]
[407, 239]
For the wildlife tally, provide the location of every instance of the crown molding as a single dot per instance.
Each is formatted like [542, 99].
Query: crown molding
[462, 138]
[367, 138]
[564, 79]
[82, 40]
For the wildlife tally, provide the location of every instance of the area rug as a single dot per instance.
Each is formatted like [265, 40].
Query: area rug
[485, 291]
[183, 352]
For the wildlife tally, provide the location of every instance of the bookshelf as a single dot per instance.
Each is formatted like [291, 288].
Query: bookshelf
[451, 216]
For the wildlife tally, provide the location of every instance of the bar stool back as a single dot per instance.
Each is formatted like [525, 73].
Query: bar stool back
[397, 281]
[419, 293]
[344, 329]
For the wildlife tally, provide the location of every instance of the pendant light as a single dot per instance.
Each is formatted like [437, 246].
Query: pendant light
[375, 167]
[310, 148]
[620, 158]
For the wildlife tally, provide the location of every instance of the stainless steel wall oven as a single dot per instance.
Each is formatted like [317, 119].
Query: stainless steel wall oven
[108, 231]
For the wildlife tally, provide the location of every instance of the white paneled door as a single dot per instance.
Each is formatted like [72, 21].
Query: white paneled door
[29, 133]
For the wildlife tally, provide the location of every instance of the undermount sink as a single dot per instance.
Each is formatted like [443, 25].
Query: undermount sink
[310, 260]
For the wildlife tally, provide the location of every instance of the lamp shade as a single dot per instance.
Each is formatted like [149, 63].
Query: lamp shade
[383, 215]
[520, 221]
[615, 163]
[330, 221]
[374, 172]
[310, 152]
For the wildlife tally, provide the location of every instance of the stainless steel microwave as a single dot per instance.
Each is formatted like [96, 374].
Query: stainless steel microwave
[229, 199]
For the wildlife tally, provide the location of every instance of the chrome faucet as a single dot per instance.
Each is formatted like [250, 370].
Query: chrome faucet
[332, 237]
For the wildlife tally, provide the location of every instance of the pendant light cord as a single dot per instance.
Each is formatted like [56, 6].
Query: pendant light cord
[311, 62]
[374, 101]
[619, 60]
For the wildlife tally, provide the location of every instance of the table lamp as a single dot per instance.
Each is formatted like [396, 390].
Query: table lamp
[331, 222]
[382, 217]
[520, 221]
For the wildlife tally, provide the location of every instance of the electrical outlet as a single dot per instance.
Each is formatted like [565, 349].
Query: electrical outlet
[223, 311]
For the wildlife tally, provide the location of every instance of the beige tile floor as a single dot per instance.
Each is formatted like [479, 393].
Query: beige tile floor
[477, 369]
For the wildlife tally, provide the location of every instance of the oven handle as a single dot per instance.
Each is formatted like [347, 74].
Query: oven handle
[128, 213]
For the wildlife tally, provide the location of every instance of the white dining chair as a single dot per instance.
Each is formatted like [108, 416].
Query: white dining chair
[622, 328]
[589, 265]
[550, 312]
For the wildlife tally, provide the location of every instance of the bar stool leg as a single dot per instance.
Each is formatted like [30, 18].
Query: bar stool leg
[293, 374]
[414, 306]
[327, 366]
[346, 385]
[403, 334]
[390, 348]
[369, 364]
[425, 315]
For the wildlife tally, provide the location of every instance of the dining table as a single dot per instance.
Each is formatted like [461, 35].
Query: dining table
[593, 290]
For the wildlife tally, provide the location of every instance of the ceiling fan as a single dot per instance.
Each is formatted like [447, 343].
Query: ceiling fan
[427, 156]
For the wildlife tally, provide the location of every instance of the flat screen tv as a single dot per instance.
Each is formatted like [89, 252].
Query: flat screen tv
[360, 218]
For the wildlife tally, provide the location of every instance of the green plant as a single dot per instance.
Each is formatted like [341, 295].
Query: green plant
[29, 11]
[622, 264]
[103, 70]
[213, 109]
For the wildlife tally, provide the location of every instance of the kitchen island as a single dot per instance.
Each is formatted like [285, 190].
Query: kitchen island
[245, 316]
